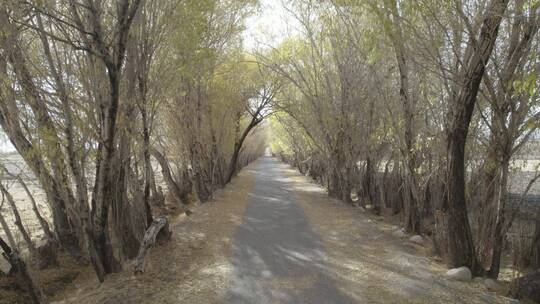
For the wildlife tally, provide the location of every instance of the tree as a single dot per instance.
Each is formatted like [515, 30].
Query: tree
[460, 243]
[258, 108]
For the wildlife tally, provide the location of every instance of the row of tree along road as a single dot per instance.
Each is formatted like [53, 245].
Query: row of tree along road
[97, 96]
[433, 100]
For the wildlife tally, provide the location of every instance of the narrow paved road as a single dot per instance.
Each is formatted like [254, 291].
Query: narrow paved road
[277, 257]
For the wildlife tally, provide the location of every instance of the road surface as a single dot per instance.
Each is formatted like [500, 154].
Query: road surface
[277, 257]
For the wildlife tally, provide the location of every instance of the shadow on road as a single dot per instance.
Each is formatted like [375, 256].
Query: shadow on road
[277, 258]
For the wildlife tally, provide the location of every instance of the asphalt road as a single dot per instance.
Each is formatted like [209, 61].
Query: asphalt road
[277, 257]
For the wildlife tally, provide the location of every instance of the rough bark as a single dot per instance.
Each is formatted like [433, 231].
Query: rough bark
[74, 158]
[500, 221]
[461, 248]
[180, 194]
[408, 110]
[112, 55]
[158, 229]
[200, 165]
[535, 250]
[126, 213]
[507, 116]
[147, 165]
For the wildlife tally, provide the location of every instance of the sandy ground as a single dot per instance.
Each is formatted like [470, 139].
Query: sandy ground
[192, 268]
[372, 266]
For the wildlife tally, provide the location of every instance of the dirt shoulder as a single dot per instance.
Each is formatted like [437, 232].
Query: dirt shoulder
[369, 264]
[192, 268]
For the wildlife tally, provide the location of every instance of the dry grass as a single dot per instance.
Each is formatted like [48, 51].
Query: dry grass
[52, 280]
[192, 268]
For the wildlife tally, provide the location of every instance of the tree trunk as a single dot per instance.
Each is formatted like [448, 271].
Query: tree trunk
[42, 222]
[485, 209]
[414, 222]
[461, 248]
[147, 164]
[460, 244]
[180, 194]
[126, 214]
[18, 220]
[6, 254]
[368, 185]
[535, 248]
[233, 163]
[499, 233]
[129, 214]
[74, 158]
[158, 229]
[109, 110]
[9, 119]
[409, 136]
[104, 193]
[199, 164]
[19, 267]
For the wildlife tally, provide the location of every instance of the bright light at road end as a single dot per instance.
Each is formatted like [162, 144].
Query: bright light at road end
[270, 26]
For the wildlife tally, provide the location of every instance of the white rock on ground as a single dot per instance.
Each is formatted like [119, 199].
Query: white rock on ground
[459, 274]
[400, 233]
[417, 239]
